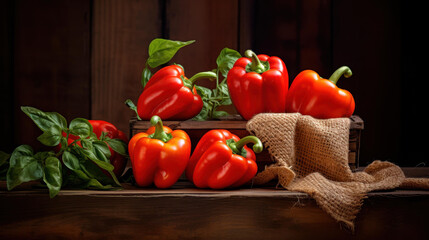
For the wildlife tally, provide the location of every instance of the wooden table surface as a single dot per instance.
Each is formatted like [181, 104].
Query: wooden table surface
[184, 212]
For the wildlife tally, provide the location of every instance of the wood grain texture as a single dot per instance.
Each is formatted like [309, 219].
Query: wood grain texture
[189, 213]
[212, 24]
[372, 49]
[315, 36]
[121, 33]
[7, 11]
[84, 58]
[51, 67]
[276, 31]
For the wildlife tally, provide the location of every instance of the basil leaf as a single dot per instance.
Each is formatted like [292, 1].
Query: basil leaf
[45, 120]
[86, 143]
[82, 175]
[103, 164]
[70, 160]
[23, 167]
[163, 50]
[21, 151]
[218, 114]
[109, 168]
[51, 137]
[85, 170]
[64, 142]
[223, 88]
[96, 173]
[86, 164]
[52, 175]
[146, 75]
[27, 169]
[204, 113]
[203, 91]
[90, 154]
[226, 59]
[80, 127]
[93, 136]
[133, 107]
[102, 151]
[118, 146]
[41, 156]
[226, 102]
[95, 184]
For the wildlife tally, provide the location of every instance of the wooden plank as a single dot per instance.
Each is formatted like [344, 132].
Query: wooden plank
[183, 213]
[228, 124]
[315, 43]
[121, 33]
[356, 122]
[246, 29]
[7, 11]
[352, 158]
[214, 26]
[172, 217]
[276, 31]
[51, 62]
[378, 31]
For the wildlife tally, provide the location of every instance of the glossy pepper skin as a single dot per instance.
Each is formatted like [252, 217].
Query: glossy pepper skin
[170, 95]
[159, 156]
[118, 161]
[258, 84]
[309, 94]
[222, 160]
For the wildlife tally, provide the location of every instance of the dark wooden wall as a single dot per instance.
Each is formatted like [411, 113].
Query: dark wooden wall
[83, 58]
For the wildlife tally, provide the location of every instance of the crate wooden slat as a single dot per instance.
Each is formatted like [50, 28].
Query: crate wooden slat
[236, 125]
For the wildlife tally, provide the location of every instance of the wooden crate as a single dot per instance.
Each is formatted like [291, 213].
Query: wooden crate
[236, 125]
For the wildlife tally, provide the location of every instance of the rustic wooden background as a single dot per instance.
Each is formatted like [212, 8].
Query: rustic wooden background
[83, 58]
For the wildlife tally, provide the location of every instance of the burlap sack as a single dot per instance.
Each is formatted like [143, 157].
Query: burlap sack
[311, 156]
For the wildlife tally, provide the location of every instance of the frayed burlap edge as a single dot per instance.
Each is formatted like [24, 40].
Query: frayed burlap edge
[322, 171]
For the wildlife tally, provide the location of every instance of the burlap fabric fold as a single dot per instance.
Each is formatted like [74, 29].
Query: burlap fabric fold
[311, 155]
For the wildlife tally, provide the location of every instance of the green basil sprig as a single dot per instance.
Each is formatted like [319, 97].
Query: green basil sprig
[86, 159]
[219, 96]
[160, 52]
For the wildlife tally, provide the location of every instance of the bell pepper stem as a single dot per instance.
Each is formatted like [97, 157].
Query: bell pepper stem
[201, 75]
[256, 64]
[159, 129]
[257, 144]
[342, 71]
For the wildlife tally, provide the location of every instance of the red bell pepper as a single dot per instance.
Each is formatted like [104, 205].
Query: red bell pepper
[159, 155]
[258, 84]
[170, 95]
[222, 160]
[118, 161]
[309, 94]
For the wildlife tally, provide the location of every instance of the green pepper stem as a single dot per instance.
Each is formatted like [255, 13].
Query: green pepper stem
[256, 64]
[257, 144]
[159, 129]
[201, 75]
[342, 71]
